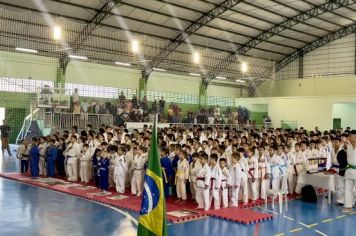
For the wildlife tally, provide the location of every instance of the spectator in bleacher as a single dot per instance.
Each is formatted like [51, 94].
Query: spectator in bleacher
[144, 104]
[154, 107]
[122, 99]
[85, 106]
[76, 108]
[75, 96]
[134, 101]
[5, 134]
[161, 105]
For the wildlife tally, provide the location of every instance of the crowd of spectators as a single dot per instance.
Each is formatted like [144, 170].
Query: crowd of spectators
[135, 110]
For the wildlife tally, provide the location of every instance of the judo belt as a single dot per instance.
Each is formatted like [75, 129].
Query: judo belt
[68, 157]
[211, 182]
[223, 180]
[273, 166]
[164, 175]
[250, 172]
[280, 168]
[349, 166]
[179, 172]
[295, 168]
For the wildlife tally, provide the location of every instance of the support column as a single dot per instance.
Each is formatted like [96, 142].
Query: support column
[355, 55]
[61, 79]
[203, 90]
[142, 87]
[301, 66]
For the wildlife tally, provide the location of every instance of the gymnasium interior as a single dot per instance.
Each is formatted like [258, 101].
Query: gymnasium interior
[278, 69]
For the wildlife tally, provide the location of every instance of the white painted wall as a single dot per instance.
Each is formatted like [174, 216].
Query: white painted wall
[347, 113]
[308, 111]
[19, 65]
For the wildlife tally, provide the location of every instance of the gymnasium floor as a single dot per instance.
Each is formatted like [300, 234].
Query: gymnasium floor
[28, 210]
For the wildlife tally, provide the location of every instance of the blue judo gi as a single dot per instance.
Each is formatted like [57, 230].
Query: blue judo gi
[96, 166]
[168, 173]
[51, 157]
[34, 159]
[103, 174]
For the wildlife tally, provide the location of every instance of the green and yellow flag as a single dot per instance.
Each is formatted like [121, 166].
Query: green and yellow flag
[152, 220]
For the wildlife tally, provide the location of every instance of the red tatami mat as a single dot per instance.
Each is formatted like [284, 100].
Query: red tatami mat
[239, 215]
[134, 203]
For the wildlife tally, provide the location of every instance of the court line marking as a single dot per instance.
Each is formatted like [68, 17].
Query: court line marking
[296, 230]
[327, 220]
[289, 218]
[320, 232]
[339, 217]
[281, 234]
[312, 225]
[307, 226]
[130, 217]
[276, 213]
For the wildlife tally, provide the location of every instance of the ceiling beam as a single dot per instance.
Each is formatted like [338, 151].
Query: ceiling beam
[196, 25]
[132, 31]
[85, 33]
[316, 44]
[299, 11]
[318, 10]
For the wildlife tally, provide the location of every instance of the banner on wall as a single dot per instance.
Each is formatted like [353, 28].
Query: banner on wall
[139, 125]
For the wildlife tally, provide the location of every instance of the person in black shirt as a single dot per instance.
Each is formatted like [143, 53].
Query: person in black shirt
[5, 133]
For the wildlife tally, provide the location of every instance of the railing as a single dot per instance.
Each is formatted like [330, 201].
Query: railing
[63, 120]
[25, 129]
[282, 124]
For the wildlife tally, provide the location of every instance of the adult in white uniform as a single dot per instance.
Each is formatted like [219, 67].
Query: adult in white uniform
[350, 174]
[72, 152]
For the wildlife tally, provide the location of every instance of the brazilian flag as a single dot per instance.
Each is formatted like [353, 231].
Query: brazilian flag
[152, 220]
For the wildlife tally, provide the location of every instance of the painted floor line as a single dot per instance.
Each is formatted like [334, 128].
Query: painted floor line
[280, 234]
[276, 213]
[327, 220]
[321, 233]
[289, 218]
[312, 225]
[296, 230]
[130, 217]
[339, 217]
[304, 224]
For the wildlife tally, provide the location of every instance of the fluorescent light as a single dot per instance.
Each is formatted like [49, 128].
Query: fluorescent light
[244, 67]
[122, 63]
[158, 69]
[196, 57]
[135, 46]
[219, 77]
[57, 33]
[78, 57]
[26, 50]
[240, 81]
[193, 74]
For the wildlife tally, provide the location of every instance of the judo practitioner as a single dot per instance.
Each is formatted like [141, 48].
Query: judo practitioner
[34, 156]
[51, 156]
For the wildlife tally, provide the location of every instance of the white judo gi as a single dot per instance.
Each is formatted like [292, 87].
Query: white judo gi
[350, 176]
[120, 170]
[215, 185]
[72, 152]
[236, 177]
[225, 183]
[253, 174]
[84, 160]
[203, 183]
